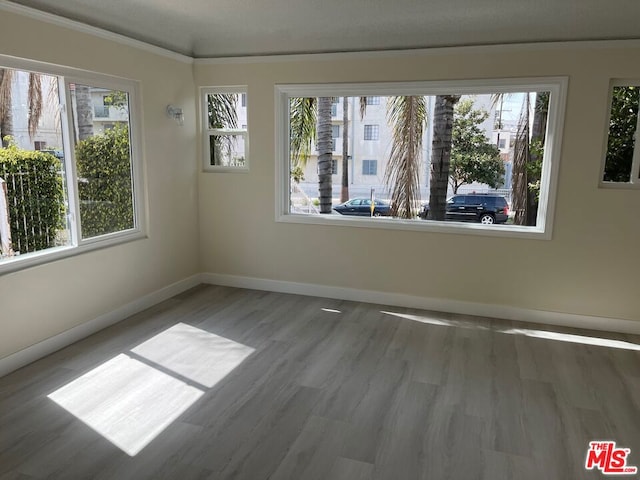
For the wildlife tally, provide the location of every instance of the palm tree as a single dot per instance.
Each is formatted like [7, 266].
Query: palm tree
[441, 154]
[407, 117]
[6, 116]
[84, 111]
[310, 119]
[325, 155]
[344, 191]
[34, 98]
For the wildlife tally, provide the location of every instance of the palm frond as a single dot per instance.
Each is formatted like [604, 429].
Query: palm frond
[35, 102]
[407, 117]
[303, 113]
[363, 107]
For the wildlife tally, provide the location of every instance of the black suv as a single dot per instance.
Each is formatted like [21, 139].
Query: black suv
[474, 207]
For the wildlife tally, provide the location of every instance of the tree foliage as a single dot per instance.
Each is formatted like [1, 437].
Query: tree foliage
[35, 197]
[622, 126]
[473, 158]
[104, 182]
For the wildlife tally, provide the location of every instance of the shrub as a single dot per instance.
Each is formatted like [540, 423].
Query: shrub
[104, 182]
[35, 197]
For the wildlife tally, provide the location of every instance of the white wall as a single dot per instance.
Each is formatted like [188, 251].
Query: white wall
[590, 267]
[40, 302]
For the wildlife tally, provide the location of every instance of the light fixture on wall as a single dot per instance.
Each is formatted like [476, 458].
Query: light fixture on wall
[176, 113]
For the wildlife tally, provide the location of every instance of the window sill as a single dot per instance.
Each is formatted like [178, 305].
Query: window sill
[28, 260]
[619, 185]
[426, 226]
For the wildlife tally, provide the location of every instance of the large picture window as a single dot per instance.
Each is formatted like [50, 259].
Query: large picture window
[460, 156]
[69, 163]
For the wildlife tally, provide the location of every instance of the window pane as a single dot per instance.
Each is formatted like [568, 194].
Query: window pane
[33, 194]
[223, 108]
[623, 123]
[227, 150]
[103, 159]
[500, 185]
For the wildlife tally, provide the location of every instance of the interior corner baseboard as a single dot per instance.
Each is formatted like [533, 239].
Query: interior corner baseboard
[426, 303]
[45, 347]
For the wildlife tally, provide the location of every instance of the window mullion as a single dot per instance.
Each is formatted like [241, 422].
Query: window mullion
[71, 179]
[635, 163]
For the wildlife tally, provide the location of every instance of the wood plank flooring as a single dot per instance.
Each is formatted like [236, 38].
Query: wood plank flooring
[223, 383]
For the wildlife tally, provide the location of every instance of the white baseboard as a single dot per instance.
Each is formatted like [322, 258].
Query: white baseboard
[39, 350]
[426, 303]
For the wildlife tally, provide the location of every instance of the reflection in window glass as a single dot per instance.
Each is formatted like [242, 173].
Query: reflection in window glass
[227, 150]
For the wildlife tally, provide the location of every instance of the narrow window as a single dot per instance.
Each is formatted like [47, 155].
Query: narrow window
[225, 131]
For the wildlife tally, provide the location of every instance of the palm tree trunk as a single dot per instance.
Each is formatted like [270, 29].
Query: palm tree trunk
[84, 110]
[6, 115]
[521, 157]
[441, 155]
[344, 192]
[325, 149]
[538, 132]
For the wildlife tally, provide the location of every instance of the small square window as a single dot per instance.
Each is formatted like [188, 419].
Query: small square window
[373, 100]
[369, 167]
[371, 132]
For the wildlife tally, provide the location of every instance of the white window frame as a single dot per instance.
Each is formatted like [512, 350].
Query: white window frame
[634, 181]
[549, 177]
[374, 130]
[78, 245]
[207, 132]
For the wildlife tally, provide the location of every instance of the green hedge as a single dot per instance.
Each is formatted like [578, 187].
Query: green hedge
[104, 182]
[35, 196]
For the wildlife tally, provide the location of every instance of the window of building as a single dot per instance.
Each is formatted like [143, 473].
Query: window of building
[88, 178]
[334, 110]
[472, 170]
[243, 101]
[226, 145]
[372, 132]
[622, 156]
[369, 167]
[373, 101]
[502, 143]
[334, 167]
[335, 131]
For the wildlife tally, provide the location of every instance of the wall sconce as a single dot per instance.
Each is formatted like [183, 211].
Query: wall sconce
[176, 113]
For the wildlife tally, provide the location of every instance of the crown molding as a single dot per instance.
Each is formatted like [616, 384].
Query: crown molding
[432, 51]
[50, 18]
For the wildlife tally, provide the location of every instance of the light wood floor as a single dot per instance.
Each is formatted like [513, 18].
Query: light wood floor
[241, 384]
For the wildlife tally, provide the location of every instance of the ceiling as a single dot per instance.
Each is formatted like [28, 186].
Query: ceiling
[222, 28]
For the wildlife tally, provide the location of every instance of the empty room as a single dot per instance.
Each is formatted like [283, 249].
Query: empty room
[385, 240]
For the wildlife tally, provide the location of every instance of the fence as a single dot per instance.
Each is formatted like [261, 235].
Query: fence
[33, 205]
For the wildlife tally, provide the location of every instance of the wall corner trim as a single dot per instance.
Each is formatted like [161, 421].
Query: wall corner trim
[436, 304]
[50, 345]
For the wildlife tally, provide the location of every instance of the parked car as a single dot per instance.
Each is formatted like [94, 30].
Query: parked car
[475, 207]
[362, 207]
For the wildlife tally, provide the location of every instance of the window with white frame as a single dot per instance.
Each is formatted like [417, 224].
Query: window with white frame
[372, 101]
[449, 175]
[622, 156]
[372, 132]
[79, 186]
[335, 131]
[225, 134]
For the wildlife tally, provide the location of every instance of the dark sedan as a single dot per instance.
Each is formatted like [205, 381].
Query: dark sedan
[362, 207]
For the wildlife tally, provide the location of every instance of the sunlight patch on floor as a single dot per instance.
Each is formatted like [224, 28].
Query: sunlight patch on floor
[528, 332]
[126, 401]
[200, 356]
[133, 397]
